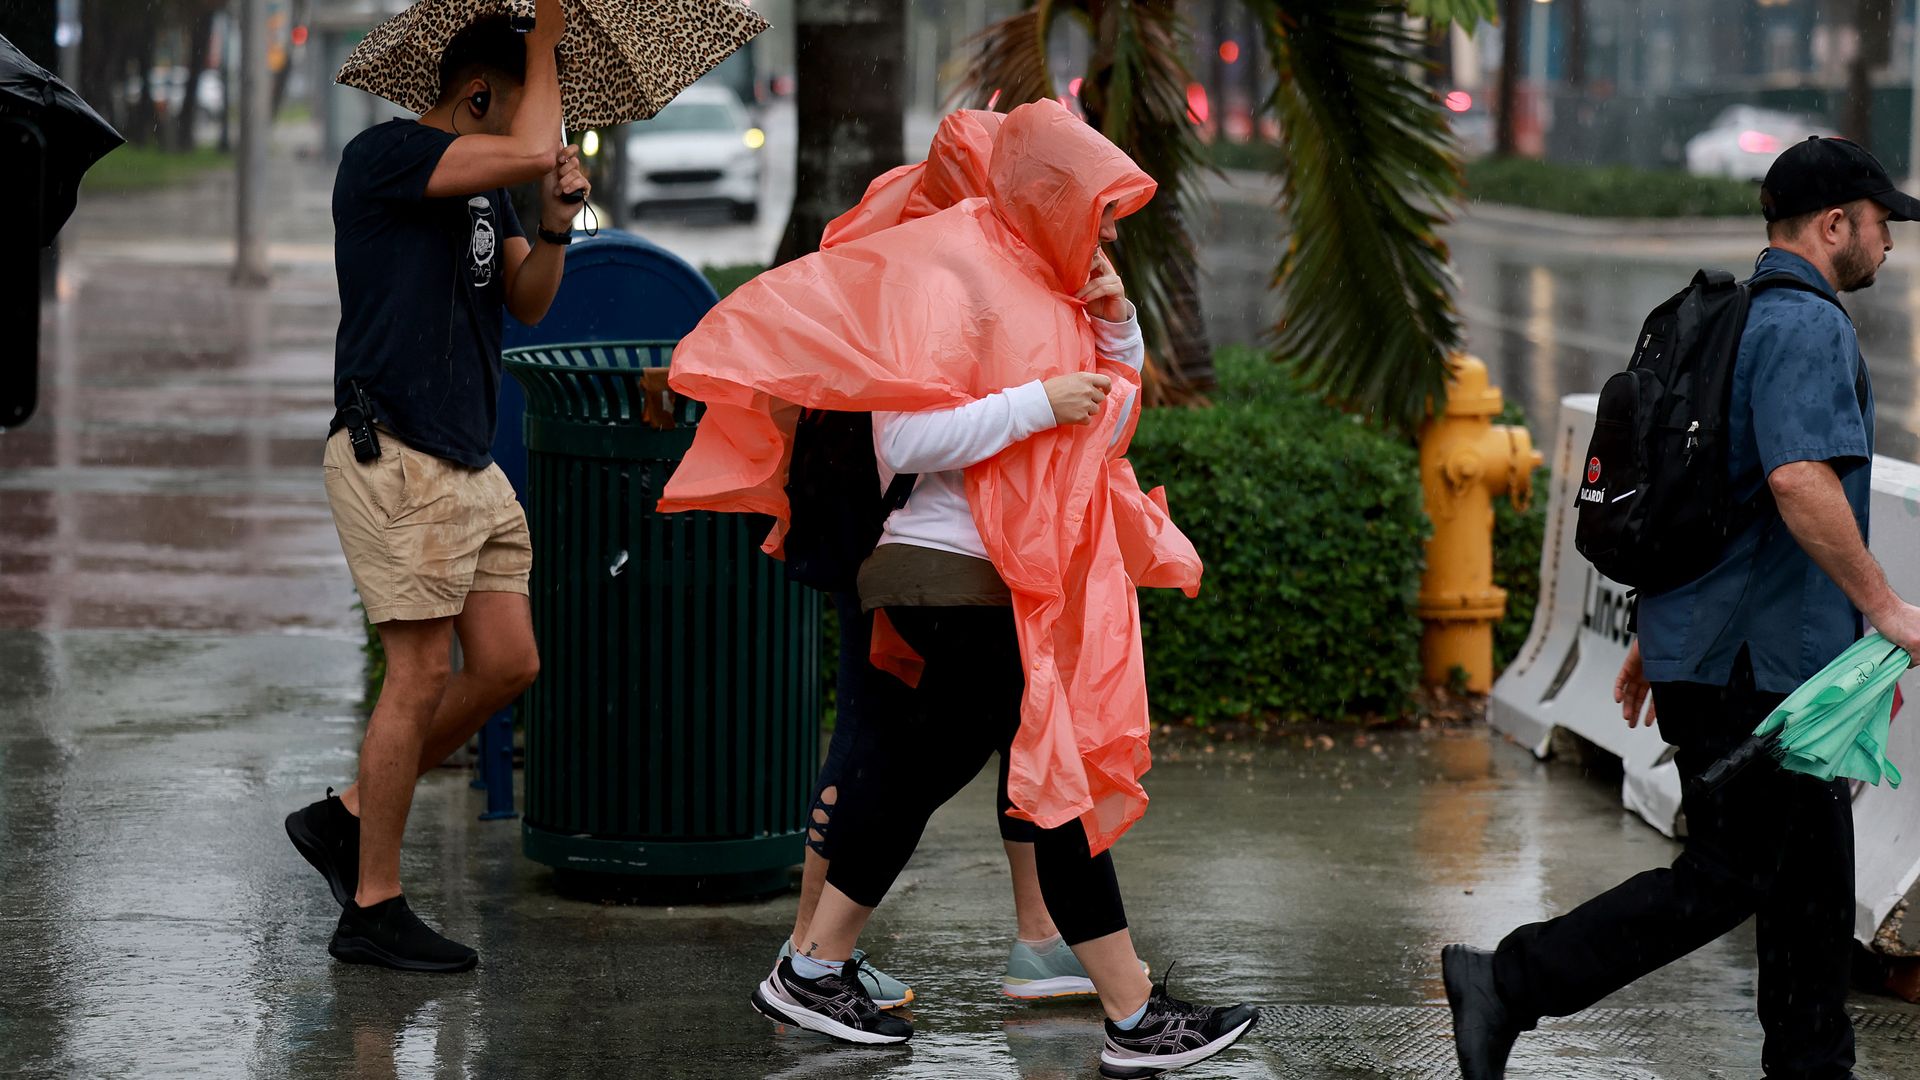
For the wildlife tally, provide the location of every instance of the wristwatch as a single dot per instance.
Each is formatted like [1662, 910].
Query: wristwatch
[560, 239]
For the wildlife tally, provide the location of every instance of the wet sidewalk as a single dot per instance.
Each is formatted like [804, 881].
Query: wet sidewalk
[180, 666]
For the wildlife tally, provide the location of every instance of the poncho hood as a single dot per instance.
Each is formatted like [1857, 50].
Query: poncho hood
[1052, 177]
[955, 170]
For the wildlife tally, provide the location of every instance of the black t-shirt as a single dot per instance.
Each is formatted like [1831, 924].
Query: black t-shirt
[422, 293]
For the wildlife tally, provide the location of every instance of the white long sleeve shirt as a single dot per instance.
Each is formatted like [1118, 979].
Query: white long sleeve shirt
[940, 444]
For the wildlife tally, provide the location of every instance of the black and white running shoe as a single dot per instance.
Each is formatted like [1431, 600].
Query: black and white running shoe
[1172, 1035]
[835, 1005]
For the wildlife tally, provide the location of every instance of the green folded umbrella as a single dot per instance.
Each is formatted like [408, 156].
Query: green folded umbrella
[1835, 724]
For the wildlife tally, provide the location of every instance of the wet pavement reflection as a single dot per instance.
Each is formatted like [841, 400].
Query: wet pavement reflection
[180, 666]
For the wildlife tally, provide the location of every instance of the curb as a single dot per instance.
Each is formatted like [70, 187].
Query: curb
[1248, 187]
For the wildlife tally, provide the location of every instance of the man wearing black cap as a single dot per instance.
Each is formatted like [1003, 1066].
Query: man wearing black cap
[1721, 652]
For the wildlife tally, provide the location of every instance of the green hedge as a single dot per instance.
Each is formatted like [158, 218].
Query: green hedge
[139, 168]
[1312, 529]
[1517, 537]
[725, 279]
[1254, 155]
[1608, 191]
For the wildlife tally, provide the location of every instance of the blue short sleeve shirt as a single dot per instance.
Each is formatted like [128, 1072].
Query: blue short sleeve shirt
[1800, 393]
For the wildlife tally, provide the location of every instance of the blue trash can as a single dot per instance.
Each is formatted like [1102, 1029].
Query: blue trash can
[618, 287]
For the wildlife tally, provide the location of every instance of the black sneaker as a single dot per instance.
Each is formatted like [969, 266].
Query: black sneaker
[835, 1005]
[327, 836]
[389, 934]
[1172, 1035]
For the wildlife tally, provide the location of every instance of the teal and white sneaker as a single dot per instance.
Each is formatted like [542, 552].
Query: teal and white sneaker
[1036, 976]
[886, 991]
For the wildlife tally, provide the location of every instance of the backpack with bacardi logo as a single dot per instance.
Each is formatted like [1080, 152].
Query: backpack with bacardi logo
[1656, 506]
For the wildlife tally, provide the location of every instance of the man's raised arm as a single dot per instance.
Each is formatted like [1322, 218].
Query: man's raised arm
[528, 151]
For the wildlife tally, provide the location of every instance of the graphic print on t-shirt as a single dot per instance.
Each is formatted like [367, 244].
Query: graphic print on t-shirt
[480, 249]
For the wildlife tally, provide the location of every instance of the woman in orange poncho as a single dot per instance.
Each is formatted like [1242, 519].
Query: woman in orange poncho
[1038, 966]
[1010, 571]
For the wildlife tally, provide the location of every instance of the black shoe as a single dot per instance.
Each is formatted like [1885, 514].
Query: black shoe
[835, 1005]
[1172, 1035]
[1483, 1027]
[389, 934]
[329, 838]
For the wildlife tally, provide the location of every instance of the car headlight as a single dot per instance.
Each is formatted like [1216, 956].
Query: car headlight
[754, 138]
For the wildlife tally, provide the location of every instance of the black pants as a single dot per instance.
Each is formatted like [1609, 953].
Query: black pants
[918, 748]
[1770, 843]
[850, 709]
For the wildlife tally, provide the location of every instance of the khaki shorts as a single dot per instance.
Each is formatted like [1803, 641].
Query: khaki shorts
[421, 532]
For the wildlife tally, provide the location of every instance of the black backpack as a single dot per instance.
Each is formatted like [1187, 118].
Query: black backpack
[832, 488]
[1655, 503]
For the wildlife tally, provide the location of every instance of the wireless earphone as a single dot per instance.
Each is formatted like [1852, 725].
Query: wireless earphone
[480, 100]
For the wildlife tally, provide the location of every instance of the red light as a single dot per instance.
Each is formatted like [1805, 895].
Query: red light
[1230, 51]
[1459, 101]
[1758, 142]
[299, 35]
[1073, 87]
[1197, 103]
[994, 100]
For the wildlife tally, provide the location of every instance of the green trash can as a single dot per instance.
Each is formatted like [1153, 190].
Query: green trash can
[673, 734]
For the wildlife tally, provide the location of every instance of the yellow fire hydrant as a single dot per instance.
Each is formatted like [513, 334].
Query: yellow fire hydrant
[1465, 461]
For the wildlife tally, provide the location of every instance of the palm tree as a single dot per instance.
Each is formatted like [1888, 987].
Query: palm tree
[1369, 172]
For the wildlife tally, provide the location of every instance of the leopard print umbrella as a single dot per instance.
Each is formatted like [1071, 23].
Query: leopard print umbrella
[620, 61]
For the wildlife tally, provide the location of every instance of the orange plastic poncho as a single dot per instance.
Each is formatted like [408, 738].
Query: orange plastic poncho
[930, 314]
[958, 167]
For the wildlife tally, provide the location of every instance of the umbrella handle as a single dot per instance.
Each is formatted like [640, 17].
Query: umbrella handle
[1720, 772]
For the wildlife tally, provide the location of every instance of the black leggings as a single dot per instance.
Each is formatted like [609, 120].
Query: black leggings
[850, 708]
[918, 748]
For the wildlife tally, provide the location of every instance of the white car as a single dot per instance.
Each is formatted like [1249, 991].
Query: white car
[702, 149]
[1744, 140]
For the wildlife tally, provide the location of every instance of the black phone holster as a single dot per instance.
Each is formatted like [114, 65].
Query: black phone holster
[357, 418]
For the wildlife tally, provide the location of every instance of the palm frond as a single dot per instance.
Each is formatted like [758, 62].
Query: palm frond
[1136, 93]
[1466, 13]
[1006, 64]
[1366, 292]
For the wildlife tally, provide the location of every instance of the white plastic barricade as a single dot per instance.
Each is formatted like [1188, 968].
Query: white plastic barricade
[1563, 675]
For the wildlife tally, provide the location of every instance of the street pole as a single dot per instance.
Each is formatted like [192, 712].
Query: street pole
[250, 267]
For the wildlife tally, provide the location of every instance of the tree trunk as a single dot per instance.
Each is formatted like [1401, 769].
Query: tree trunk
[1872, 24]
[146, 115]
[226, 94]
[849, 61]
[1184, 371]
[1576, 43]
[199, 48]
[1506, 142]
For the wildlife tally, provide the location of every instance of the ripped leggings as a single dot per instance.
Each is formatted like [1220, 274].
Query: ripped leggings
[917, 748]
[850, 708]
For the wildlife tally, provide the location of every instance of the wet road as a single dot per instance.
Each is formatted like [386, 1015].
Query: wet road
[1553, 311]
[179, 667]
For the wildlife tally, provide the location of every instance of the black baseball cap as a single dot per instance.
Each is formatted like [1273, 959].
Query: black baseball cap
[1819, 173]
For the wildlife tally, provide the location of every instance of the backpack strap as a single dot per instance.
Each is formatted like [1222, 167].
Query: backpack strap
[899, 491]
